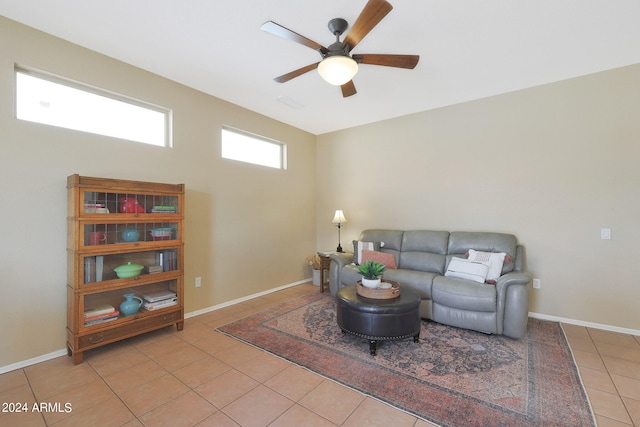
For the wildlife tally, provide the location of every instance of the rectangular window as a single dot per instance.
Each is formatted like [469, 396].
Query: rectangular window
[250, 148]
[57, 102]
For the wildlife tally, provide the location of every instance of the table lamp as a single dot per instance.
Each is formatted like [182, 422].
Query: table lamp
[338, 220]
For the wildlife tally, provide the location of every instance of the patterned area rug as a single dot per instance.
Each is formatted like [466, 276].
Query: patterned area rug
[453, 377]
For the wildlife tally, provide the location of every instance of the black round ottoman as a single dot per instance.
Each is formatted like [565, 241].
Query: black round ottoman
[379, 319]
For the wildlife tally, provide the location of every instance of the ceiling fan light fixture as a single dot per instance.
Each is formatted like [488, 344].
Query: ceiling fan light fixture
[337, 69]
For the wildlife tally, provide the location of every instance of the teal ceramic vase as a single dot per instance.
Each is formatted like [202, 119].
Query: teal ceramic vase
[130, 305]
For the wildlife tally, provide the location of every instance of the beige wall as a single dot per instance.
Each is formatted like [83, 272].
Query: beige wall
[552, 165]
[236, 214]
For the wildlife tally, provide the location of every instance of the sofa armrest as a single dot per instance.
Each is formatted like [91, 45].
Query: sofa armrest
[513, 303]
[338, 260]
[513, 278]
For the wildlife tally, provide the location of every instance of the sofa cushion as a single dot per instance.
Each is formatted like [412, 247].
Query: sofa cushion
[466, 269]
[392, 240]
[463, 294]
[461, 241]
[422, 261]
[419, 281]
[495, 260]
[359, 246]
[388, 260]
[424, 251]
[425, 241]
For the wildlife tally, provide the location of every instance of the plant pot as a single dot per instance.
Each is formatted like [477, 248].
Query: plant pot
[371, 283]
[316, 277]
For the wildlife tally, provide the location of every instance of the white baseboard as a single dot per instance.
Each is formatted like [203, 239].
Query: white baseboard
[33, 361]
[586, 324]
[239, 300]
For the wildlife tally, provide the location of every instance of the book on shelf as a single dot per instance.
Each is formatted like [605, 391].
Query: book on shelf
[154, 269]
[158, 296]
[168, 260]
[102, 316]
[98, 310]
[89, 269]
[160, 304]
[164, 209]
[93, 268]
[101, 320]
[99, 267]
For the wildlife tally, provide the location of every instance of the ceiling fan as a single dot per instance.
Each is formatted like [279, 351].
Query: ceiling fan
[338, 64]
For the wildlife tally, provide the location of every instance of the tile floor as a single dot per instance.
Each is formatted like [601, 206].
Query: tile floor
[199, 377]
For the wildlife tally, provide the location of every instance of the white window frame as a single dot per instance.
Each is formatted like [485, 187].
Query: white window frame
[114, 127]
[245, 155]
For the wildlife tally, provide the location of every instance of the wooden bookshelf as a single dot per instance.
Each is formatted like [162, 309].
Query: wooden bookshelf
[112, 222]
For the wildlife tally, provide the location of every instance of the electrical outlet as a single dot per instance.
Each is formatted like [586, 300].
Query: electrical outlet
[536, 283]
[198, 282]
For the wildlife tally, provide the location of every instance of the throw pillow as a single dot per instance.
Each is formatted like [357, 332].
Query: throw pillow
[495, 260]
[465, 269]
[388, 260]
[358, 246]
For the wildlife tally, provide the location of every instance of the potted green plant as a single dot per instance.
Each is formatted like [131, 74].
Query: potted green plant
[371, 273]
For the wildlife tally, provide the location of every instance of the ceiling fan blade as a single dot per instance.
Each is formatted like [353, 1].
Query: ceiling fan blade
[293, 74]
[399, 61]
[372, 13]
[280, 31]
[348, 89]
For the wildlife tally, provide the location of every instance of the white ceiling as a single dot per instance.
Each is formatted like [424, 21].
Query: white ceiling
[468, 49]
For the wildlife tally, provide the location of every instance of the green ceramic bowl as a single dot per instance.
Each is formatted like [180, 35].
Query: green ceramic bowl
[128, 270]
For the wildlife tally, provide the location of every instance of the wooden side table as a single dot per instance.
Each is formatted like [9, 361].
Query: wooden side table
[325, 262]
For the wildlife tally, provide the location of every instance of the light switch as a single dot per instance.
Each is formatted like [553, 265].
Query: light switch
[605, 233]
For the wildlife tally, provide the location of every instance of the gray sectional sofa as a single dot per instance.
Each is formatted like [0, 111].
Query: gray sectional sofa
[423, 257]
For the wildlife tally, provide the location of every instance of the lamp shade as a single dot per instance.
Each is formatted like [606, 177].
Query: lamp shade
[339, 218]
[338, 69]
